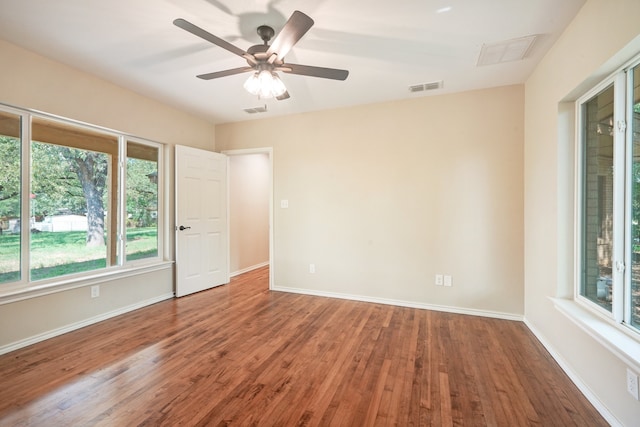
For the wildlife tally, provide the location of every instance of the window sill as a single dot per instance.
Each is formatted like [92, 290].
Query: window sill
[21, 292]
[610, 335]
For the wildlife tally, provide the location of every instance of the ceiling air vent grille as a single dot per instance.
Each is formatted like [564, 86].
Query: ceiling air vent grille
[506, 51]
[426, 86]
[254, 110]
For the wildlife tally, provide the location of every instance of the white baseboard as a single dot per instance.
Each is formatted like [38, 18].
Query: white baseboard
[575, 378]
[72, 327]
[246, 270]
[401, 303]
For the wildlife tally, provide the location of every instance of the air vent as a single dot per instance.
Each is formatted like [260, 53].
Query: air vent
[506, 51]
[254, 110]
[426, 86]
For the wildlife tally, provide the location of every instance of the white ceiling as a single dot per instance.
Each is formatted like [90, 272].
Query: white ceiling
[386, 45]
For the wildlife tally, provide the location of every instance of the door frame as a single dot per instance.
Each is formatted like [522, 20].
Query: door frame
[240, 152]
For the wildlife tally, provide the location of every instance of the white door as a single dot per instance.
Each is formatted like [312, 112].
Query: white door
[201, 220]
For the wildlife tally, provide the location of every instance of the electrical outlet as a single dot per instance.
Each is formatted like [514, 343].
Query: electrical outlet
[447, 281]
[632, 383]
[95, 291]
[439, 280]
[312, 268]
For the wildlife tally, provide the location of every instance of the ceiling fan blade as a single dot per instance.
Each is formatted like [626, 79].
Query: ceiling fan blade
[231, 72]
[197, 31]
[307, 70]
[283, 96]
[296, 27]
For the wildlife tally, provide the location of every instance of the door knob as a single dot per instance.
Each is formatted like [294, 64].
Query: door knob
[182, 227]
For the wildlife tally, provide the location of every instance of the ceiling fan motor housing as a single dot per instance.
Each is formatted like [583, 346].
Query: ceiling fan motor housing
[257, 49]
[259, 53]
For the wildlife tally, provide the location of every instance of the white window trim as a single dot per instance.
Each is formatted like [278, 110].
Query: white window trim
[66, 283]
[615, 337]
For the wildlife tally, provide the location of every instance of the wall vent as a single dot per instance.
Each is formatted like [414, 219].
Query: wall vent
[254, 110]
[426, 86]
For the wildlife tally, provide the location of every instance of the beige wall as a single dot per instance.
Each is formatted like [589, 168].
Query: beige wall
[35, 82]
[31, 320]
[249, 194]
[382, 197]
[602, 36]
[31, 81]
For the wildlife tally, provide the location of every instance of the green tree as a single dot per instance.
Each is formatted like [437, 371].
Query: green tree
[142, 191]
[92, 170]
[71, 180]
[54, 184]
[9, 177]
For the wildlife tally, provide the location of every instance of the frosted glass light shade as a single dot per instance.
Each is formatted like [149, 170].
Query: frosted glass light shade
[278, 87]
[252, 85]
[265, 84]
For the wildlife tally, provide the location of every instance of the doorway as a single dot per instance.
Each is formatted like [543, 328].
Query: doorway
[250, 185]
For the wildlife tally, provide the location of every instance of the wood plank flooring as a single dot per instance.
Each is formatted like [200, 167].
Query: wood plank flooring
[242, 355]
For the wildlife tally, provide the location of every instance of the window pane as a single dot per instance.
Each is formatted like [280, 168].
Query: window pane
[142, 201]
[597, 199]
[10, 190]
[635, 203]
[72, 191]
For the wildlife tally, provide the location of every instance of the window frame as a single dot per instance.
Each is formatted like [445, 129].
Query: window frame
[620, 315]
[26, 288]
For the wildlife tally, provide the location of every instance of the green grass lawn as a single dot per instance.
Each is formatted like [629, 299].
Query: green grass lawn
[61, 253]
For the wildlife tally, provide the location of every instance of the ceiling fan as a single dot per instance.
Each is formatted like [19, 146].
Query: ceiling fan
[264, 59]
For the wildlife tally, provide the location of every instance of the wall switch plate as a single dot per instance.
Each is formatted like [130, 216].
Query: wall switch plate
[439, 280]
[632, 383]
[447, 281]
[95, 291]
[284, 204]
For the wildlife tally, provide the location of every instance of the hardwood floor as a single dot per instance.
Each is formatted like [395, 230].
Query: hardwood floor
[242, 355]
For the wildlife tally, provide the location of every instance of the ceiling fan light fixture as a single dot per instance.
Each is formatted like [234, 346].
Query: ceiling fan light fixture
[278, 86]
[265, 84]
[252, 85]
[265, 78]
